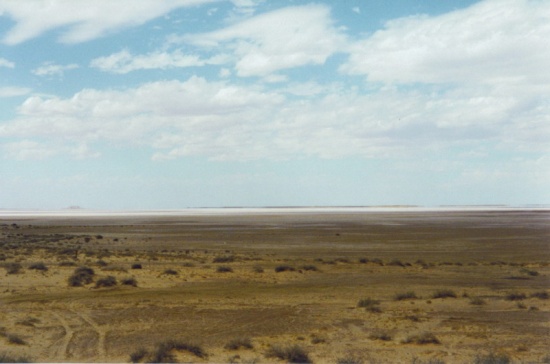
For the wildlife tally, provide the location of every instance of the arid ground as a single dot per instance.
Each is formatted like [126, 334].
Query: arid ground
[410, 287]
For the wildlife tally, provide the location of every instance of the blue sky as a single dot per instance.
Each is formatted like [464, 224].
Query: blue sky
[167, 104]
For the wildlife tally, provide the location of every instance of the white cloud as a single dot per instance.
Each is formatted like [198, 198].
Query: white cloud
[222, 121]
[80, 22]
[28, 149]
[281, 39]
[32, 150]
[50, 69]
[5, 63]
[13, 91]
[491, 42]
[356, 10]
[124, 61]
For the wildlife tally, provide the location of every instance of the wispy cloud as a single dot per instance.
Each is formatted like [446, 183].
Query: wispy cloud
[33, 150]
[13, 91]
[51, 69]
[284, 38]
[124, 61]
[5, 63]
[82, 23]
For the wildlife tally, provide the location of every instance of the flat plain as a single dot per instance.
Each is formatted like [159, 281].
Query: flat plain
[407, 287]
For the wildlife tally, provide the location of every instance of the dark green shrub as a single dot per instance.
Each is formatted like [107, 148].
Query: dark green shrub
[284, 268]
[350, 359]
[138, 355]
[370, 305]
[363, 260]
[170, 272]
[532, 273]
[422, 339]
[164, 351]
[292, 354]
[13, 268]
[383, 336]
[396, 263]
[377, 261]
[542, 295]
[136, 266]
[81, 277]
[444, 293]
[477, 301]
[39, 266]
[108, 281]
[129, 282]
[224, 259]
[15, 339]
[84, 270]
[239, 343]
[101, 263]
[310, 268]
[7, 358]
[405, 296]
[224, 269]
[492, 358]
[514, 296]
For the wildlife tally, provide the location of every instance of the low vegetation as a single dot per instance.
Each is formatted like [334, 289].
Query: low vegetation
[350, 359]
[15, 339]
[108, 281]
[370, 305]
[291, 354]
[164, 352]
[284, 268]
[170, 272]
[224, 269]
[310, 268]
[8, 358]
[13, 268]
[224, 259]
[541, 295]
[515, 296]
[422, 339]
[492, 358]
[81, 276]
[239, 343]
[410, 295]
[39, 266]
[131, 281]
[383, 336]
[477, 301]
[444, 293]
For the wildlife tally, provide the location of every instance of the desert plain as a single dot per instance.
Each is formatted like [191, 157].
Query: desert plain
[274, 287]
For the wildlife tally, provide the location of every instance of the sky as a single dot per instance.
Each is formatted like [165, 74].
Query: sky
[170, 104]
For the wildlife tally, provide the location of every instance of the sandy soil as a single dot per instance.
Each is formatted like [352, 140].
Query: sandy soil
[272, 281]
